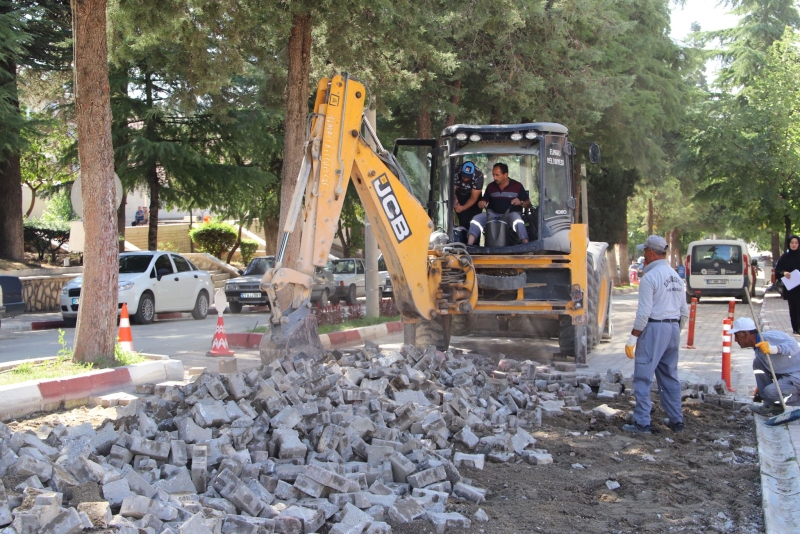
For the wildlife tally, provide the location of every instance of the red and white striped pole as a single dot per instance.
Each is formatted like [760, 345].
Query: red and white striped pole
[726, 352]
[731, 309]
[692, 318]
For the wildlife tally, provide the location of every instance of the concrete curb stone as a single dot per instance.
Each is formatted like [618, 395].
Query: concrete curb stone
[28, 397]
[251, 340]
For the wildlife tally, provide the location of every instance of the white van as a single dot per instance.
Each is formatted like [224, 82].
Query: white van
[719, 268]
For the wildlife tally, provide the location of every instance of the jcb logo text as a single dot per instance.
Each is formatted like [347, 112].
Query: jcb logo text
[391, 208]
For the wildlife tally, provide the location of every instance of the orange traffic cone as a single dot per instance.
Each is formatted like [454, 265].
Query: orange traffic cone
[125, 337]
[219, 345]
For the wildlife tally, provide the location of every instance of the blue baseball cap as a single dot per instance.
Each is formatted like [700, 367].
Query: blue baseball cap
[468, 169]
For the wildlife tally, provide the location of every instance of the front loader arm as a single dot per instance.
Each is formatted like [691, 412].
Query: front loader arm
[336, 152]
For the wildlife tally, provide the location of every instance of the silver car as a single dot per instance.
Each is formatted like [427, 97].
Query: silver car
[246, 290]
[150, 282]
[350, 276]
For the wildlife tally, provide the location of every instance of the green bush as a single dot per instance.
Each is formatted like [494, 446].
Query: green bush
[215, 238]
[46, 236]
[248, 248]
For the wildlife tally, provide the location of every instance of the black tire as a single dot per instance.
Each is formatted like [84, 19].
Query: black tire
[593, 303]
[350, 298]
[459, 325]
[435, 332]
[146, 311]
[235, 307]
[70, 322]
[572, 339]
[323, 299]
[200, 310]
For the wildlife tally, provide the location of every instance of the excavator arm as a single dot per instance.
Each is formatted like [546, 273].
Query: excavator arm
[427, 282]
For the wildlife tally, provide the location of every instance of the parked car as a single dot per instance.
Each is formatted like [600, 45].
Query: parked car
[719, 268]
[150, 282]
[246, 290]
[388, 291]
[11, 303]
[350, 277]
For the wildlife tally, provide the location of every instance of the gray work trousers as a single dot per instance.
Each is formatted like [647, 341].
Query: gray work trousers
[767, 389]
[657, 353]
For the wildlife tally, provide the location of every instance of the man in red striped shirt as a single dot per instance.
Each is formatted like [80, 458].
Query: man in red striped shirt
[501, 196]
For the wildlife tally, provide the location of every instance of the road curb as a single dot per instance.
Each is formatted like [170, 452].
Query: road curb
[52, 325]
[53, 393]
[251, 340]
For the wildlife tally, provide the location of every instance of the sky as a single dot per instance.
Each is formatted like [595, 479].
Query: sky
[708, 13]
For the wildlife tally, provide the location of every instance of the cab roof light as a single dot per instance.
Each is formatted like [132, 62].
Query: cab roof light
[461, 136]
[530, 135]
[516, 136]
[474, 138]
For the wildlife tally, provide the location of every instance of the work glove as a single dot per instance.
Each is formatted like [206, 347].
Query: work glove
[766, 348]
[630, 347]
[682, 321]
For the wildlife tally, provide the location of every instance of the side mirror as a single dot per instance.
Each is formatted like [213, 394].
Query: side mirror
[594, 153]
[754, 262]
[241, 272]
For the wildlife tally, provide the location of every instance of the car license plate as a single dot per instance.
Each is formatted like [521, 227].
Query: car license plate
[716, 282]
[250, 296]
[75, 302]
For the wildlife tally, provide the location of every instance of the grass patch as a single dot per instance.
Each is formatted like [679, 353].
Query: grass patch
[346, 325]
[63, 365]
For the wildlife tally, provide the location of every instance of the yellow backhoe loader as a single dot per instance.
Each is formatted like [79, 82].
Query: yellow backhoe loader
[556, 285]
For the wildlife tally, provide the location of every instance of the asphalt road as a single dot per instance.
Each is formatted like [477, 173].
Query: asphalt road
[174, 337]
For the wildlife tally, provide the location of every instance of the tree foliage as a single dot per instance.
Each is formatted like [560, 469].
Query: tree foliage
[215, 238]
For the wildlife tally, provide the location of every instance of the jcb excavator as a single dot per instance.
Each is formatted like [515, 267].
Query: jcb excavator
[557, 284]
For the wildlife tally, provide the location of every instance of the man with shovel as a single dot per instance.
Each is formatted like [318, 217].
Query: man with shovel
[784, 351]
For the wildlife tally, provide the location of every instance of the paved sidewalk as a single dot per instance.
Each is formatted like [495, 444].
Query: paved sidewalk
[779, 446]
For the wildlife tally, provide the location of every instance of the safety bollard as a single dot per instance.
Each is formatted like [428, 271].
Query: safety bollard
[726, 353]
[731, 309]
[692, 317]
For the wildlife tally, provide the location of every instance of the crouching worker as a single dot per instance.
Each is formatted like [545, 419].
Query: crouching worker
[784, 352]
[501, 196]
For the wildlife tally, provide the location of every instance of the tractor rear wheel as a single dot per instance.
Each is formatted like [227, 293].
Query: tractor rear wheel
[435, 332]
[572, 339]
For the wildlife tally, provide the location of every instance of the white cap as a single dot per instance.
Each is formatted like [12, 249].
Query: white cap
[656, 243]
[743, 324]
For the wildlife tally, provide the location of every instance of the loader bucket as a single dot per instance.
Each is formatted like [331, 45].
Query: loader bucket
[295, 338]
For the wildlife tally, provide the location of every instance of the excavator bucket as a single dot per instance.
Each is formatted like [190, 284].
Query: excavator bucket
[295, 338]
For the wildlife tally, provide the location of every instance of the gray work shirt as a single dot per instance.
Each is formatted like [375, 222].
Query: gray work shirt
[787, 362]
[661, 295]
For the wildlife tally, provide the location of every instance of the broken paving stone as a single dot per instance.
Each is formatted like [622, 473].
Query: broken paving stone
[604, 411]
[480, 516]
[475, 461]
[612, 484]
[405, 510]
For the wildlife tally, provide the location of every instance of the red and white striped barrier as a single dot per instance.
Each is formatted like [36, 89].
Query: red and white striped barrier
[726, 352]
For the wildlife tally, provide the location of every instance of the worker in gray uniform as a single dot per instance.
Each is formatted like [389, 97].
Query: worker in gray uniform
[654, 340]
[784, 352]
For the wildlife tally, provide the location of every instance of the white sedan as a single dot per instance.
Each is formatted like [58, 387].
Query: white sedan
[150, 282]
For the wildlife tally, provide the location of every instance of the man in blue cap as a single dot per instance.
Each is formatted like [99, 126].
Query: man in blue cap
[468, 185]
[655, 339]
[784, 352]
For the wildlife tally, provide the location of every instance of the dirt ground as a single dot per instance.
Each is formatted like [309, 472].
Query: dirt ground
[703, 480]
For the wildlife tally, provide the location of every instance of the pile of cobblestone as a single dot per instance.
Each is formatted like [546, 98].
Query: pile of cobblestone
[344, 444]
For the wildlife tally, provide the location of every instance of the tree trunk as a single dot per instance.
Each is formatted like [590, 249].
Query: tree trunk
[270, 235]
[12, 245]
[787, 221]
[624, 261]
[675, 247]
[424, 126]
[776, 246]
[297, 93]
[611, 258]
[121, 221]
[455, 100]
[236, 245]
[649, 217]
[95, 335]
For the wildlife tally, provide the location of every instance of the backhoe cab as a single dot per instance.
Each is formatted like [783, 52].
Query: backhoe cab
[556, 285]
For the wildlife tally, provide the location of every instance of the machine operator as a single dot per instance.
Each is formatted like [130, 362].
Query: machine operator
[504, 199]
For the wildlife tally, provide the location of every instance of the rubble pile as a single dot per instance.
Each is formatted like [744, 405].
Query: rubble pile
[343, 445]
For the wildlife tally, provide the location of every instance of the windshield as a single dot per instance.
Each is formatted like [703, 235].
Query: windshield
[342, 266]
[259, 266]
[137, 263]
[522, 168]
